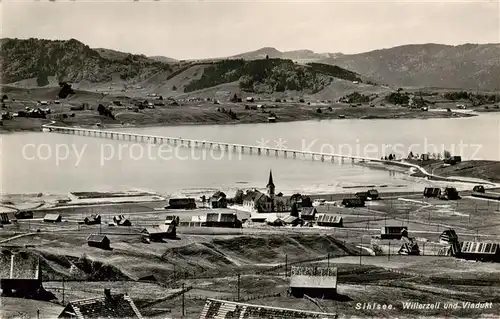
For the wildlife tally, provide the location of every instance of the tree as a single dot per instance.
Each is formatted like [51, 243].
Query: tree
[446, 154]
[4, 97]
[238, 197]
[174, 88]
[295, 210]
[319, 111]
[65, 90]
[306, 201]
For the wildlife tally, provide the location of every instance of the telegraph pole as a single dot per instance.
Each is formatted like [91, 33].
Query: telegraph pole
[389, 254]
[286, 265]
[63, 291]
[238, 287]
[328, 261]
[183, 313]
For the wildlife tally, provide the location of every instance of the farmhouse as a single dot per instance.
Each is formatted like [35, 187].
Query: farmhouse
[98, 241]
[218, 200]
[20, 275]
[4, 219]
[316, 282]
[329, 220]
[308, 213]
[52, 218]
[483, 251]
[158, 233]
[108, 306]
[393, 232]
[229, 309]
[181, 203]
[222, 220]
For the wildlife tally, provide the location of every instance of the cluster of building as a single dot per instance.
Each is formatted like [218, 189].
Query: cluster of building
[470, 250]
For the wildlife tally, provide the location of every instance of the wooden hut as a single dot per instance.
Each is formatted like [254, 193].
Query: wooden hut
[99, 241]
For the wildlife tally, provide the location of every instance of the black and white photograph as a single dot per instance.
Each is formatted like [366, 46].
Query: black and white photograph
[231, 159]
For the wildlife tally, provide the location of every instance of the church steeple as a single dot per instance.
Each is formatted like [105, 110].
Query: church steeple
[270, 183]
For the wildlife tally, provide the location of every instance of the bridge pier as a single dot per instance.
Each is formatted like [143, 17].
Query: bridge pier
[342, 160]
[250, 149]
[333, 159]
[226, 147]
[284, 154]
[352, 160]
[234, 148]
[294, 155]
[267, 151]
[322, 158]
[259, 150]
[242, 149]
[276, 153]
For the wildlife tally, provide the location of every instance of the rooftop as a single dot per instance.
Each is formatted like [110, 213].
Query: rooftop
[114, 306]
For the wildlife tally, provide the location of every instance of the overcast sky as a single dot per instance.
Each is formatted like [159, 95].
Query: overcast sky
[201, 29]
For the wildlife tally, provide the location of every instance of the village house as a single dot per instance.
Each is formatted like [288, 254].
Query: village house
[218, 200]
[20, 275]
[98, 241]
[316, 282]
[108, 306]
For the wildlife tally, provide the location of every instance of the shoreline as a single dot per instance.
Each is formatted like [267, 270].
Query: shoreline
[17, 125]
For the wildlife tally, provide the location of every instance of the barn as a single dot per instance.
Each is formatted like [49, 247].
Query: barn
[393, 232]
[215, 308]
[329, 220]
[353, 202]
[20, 275]
[107, 306]
[52, 218]
[181, 203]
[229, 220]
[4, 219]
[315, 282]
[308, 213]
[98, 241]
[158, 233]
[23, 214]
[432, 192]
[482, 251]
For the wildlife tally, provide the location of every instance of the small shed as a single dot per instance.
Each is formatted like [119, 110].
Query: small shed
[52, 218]
[4, 219]
[478, 189]
[308, 213]
[329, 220]
[393, 232]
[482, 251]
[98, 241]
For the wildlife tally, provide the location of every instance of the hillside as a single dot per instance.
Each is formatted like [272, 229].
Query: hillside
[472, 66]
[295, 55]
[71, 61]
[270, 75]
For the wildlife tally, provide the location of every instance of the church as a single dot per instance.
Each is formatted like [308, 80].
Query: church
[257, 201]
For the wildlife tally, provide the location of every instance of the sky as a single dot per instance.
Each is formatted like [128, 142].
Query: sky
[204, 29]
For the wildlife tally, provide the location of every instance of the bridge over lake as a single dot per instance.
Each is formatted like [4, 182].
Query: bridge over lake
[241, 148]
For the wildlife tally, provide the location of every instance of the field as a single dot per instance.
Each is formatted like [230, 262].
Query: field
[208, 260]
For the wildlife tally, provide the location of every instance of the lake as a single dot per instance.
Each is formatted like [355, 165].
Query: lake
[55, 163]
